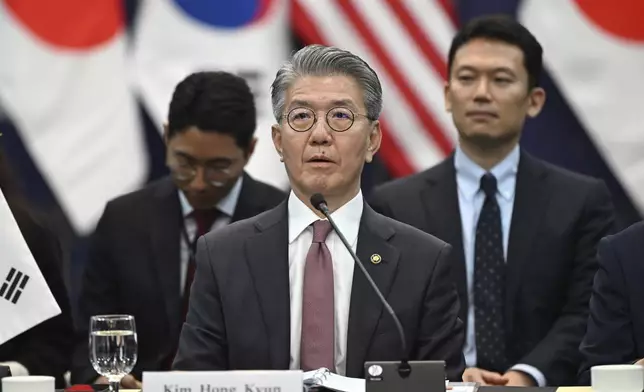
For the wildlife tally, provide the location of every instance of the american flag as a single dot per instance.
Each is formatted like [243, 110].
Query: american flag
[406, 42]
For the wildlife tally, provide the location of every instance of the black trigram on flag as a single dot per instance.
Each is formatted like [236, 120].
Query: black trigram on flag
[13, 285]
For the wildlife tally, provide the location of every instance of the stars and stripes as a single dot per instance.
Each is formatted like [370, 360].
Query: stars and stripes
[406, 42]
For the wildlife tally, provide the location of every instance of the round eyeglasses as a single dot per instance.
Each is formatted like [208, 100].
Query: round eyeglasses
[339, 119]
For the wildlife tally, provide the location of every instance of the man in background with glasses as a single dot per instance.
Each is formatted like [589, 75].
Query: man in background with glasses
[279, 290]
[142, 254]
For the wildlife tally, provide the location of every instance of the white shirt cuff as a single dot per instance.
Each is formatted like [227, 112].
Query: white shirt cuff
[531, 371]
[17, 369]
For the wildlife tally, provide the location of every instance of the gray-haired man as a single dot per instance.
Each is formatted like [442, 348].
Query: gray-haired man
[279, 291]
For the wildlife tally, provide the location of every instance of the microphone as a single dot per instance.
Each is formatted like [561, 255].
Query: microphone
[404, 369]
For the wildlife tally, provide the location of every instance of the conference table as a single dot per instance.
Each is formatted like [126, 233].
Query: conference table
[545, 389]
[493, 389]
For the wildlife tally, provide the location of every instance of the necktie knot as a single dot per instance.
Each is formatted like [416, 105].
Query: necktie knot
[205, 219]
[321, 230]
[488, 184]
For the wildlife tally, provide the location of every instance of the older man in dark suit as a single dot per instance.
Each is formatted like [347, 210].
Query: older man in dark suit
[280, 291]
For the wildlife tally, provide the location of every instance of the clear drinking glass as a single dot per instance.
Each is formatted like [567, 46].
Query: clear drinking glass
[113, 346]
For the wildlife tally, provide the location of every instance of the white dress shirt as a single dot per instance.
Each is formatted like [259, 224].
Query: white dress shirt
[470, 201]
[226, 205]
[300, 236]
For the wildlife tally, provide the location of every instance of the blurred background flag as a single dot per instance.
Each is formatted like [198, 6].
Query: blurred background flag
[595, 53]
[173, 38]
[406, 41]
[25, 298]
[63, 84]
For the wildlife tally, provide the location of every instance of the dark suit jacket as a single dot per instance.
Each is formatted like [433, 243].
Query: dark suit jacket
[134, 268]
[558, 219]
[239, 315]
[615, 332]
[46, 348]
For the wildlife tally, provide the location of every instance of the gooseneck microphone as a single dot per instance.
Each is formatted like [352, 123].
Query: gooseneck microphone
[404, 369]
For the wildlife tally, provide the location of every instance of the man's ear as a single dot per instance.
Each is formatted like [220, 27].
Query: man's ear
[251, 148]
[447, 98]
[276, 134]
[165, 133]
[375, 138]
[537, 99]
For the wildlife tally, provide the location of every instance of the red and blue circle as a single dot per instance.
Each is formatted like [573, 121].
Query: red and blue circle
[70, 24]
[619, 18]
[227, 14]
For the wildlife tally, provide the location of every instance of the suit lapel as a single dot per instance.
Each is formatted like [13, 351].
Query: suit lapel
[267, 258]
[247, 203]
[366, 309]
[165, 234]
[530, 201]
[440, 200]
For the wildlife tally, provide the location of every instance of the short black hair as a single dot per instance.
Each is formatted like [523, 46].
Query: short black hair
[214, 101]
[505, 29]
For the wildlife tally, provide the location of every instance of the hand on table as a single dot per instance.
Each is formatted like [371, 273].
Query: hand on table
[483, 377]
[512, 378]
[518, 379]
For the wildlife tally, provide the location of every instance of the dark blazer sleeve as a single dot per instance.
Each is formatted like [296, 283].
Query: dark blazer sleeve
[46, 348]
[202, 344]
[99, 295]
[557, 355]
[609, 336]
[440, 316]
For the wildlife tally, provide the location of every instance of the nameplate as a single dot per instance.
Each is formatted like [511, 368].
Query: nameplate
[224, 381]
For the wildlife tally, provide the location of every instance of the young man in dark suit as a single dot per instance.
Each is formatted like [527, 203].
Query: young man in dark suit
[280, 291]
[615, 333]
[142, 254]
[524, 232]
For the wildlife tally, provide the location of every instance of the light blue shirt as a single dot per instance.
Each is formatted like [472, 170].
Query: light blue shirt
[470, 201]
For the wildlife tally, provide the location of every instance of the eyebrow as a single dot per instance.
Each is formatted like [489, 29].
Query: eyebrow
[494, 70]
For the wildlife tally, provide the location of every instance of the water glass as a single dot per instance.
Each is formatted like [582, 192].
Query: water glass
[113, 346]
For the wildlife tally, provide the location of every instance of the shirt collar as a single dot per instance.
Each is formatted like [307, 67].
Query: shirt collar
[347, 217]
[226, 205]
[468, 174]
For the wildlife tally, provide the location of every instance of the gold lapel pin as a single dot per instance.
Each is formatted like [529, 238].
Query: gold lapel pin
[375, 258]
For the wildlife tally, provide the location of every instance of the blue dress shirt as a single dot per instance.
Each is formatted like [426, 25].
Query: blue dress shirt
[470, 201]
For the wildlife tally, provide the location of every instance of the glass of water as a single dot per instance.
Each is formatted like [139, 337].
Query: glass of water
[113, 346]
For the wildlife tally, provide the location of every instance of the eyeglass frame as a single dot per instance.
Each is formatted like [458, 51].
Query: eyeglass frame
[326, 118]
[193, 170]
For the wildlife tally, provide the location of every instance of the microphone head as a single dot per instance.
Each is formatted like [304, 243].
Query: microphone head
[317, 201]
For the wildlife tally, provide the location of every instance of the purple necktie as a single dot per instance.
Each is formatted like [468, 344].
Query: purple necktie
[318, 326]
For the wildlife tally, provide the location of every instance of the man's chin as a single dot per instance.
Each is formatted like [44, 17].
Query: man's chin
[488, 140]
[199, 203]
[318, 183]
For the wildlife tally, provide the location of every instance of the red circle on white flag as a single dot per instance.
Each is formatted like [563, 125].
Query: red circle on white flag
[621, 18]
[76, 24]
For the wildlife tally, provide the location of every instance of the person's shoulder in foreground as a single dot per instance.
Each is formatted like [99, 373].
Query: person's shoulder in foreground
[615, 331]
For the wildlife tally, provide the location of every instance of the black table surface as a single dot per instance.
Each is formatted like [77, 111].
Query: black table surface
[522, 389]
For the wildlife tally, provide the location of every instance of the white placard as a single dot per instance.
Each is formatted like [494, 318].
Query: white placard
[224, 381]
